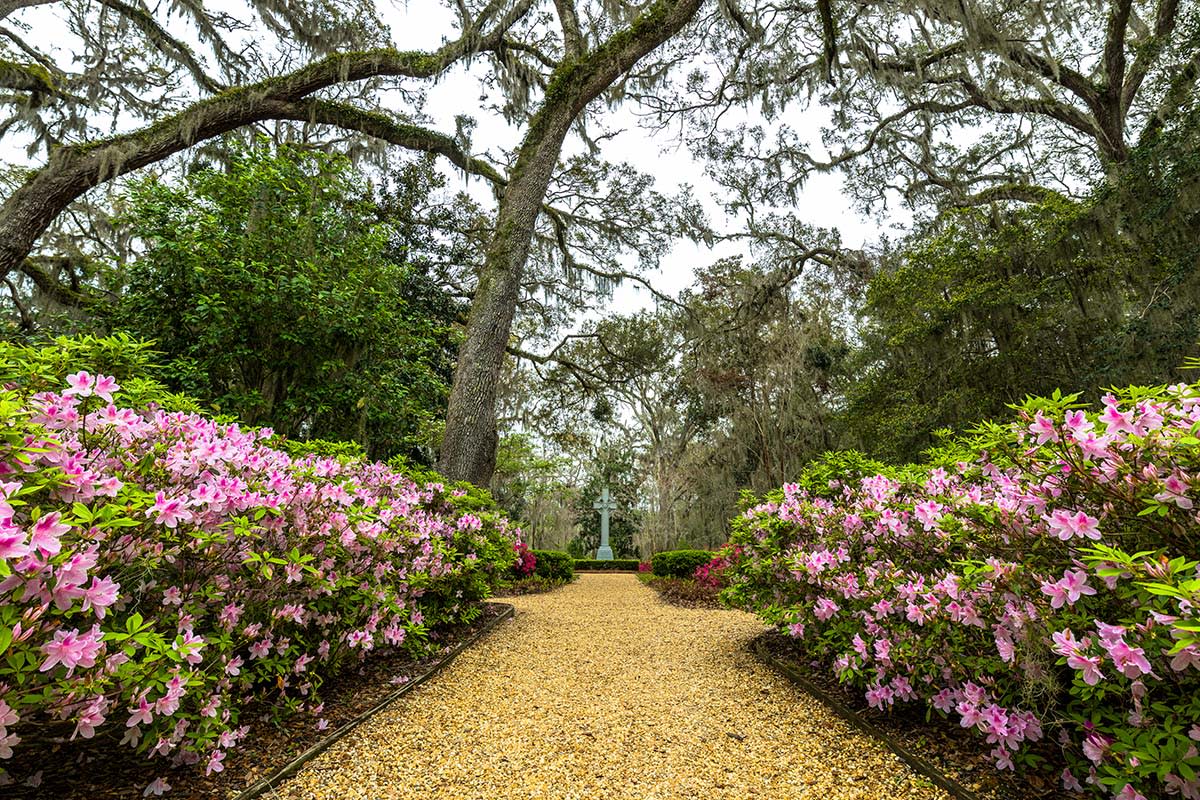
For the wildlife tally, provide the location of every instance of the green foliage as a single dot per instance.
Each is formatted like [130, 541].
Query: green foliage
[522, 475]
[554, 565]
[418, 473]
[620, 564]
[321, 448]
[989, 305]
[686, 592]
[277, 294]
[823, 476]
[44, 366]
[679, 563]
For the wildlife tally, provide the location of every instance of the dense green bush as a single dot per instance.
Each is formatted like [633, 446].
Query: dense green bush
[44, 366]
[554, 565]
[283, 287]
[321, 448]
[622, 564]
[679, 563]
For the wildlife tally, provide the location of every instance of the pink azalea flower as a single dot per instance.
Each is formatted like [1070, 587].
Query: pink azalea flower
[7, 743]
[825, 609]
[92, 716]
[81, 384]
[100, 595]
[141, 714]
[1067, 524]
[929, 513]
[72, 649]
[1068, 589]
[1175, 489]
[214, 763]
[45, 534]
[1131, 661]
[105, 386]
[169, 512]
[1095, 746]
[7, 715]
[13, 543]
[158, 787]
[1043, 429]
[1187, 657]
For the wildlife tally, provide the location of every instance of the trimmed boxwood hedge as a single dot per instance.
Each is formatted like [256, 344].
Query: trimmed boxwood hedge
[622, 564]
[554, 565]
[679, 563]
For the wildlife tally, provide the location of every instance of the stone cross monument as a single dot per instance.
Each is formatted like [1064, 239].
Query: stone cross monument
[604, 505]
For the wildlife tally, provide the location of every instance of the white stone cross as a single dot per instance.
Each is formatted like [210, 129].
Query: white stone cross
[604, 505]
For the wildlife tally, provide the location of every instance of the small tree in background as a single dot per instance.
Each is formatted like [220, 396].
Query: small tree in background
[281, 291]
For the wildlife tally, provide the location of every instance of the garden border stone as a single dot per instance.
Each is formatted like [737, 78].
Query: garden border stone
[915, 762]
[269, 782]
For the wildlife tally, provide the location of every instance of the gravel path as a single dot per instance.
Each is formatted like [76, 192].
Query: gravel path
[601, 690]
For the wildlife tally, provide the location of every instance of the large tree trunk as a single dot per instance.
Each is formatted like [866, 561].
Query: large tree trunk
[469, 448]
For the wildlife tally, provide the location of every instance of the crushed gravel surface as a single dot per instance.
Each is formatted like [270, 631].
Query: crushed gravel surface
[602, 690]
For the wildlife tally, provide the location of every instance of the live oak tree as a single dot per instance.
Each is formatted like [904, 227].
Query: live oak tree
[985, 306]
[948, 102]
[551, 64]
[943, 103]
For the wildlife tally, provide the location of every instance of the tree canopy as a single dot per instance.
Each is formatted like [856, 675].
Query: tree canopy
[240, 186]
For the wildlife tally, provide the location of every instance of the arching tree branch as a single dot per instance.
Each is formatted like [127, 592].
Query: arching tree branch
[73, 170]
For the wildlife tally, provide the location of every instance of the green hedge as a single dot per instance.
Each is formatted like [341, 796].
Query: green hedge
[679, 563]
[622, 564]
[554, 565]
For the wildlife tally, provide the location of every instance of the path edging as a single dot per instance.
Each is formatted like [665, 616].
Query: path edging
[269, 782]
[915, 762]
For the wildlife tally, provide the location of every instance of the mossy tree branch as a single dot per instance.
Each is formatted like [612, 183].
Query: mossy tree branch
[73, 170]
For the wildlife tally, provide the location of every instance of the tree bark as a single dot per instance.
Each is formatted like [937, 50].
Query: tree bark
[469, 447]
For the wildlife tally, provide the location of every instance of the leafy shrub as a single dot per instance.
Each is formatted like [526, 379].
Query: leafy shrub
[160, 570]
[321, 448]
[44, 367]
[678, 563]
[1043, 589]
[619, 564]
[555, 565]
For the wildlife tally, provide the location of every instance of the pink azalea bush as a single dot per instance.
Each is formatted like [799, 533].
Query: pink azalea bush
[712, 574]
[161, 571]
[1036, 583]
[526, 561]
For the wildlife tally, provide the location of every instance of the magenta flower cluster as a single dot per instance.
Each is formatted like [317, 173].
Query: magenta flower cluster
[161, 572]
[526, 560]
[1036, 583]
